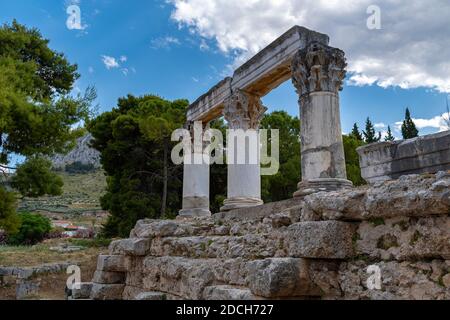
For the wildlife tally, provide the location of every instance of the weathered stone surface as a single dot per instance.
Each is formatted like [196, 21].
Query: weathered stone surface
[397, 225]
[265, 71]
[27, 289]
[248, 246]
[152, 296]
[320, 239]
[399, 280]
[132, 246]
[282, 277]
[81, 290]
[105, 277]
[390, 160]
[172, 228]
[179, 276]
[228, 293]
[414, 195]
[116, 263]
[107, 291]
[405, 238]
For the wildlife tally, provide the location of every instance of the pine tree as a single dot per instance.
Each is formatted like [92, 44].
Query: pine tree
[355, 133]
[389, 136]
[370, 135]
[409, 129]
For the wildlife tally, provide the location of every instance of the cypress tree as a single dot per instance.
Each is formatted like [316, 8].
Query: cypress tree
[389, 136]
[409, 129]
[355, 133]
[370, 135]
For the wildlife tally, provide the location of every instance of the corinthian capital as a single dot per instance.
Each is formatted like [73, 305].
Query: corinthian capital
[243, 110]
[318, 68]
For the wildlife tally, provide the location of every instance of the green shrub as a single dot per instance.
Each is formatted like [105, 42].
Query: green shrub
[79, 167]
[33, 229]
[9, 221]
[91, 243]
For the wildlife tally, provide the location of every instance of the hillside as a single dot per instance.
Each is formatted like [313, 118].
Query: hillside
[81, 196]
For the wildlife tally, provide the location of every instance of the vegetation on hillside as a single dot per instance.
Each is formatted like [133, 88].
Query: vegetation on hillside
[37, 113]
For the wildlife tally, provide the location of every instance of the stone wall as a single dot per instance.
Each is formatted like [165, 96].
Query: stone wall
[390, 160]
[318, 247]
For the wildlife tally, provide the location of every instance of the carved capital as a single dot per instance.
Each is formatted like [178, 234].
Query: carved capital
[318, 68]
[243, 110]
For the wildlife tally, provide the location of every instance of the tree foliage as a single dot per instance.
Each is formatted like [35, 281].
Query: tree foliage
[352, 159]
[133, 139]
[34, 178]
[282, 185]
[355, 133]
[33, 229]
[8, 218]
[409, 129]
[370, 135]
[389, 135]
[37, 114]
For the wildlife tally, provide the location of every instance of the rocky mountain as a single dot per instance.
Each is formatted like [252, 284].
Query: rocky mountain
[82, 153]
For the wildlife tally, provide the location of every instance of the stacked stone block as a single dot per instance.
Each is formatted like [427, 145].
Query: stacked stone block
[319, 247]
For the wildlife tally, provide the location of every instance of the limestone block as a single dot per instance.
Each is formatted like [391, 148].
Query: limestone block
[152, 296]
[183, 277]
[404, 238]
[228, 293]
[111, 263]
[81, 290]
[280, 277]
[399, 280]
[320, 239]
[246, 246]
[107, 291]
[132, 246]
[104, 277]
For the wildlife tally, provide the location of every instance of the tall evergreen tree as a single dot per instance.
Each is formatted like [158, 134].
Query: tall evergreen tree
[355, 133]
[370, 135]
[409, 129]
[389, 136]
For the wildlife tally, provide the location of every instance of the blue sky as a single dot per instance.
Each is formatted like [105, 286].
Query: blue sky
[167, 48]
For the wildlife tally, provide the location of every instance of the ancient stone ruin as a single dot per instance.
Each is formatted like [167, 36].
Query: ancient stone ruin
[389, 240]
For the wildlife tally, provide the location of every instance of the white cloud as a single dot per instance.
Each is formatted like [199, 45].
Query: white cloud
[123, 58]
[411, 49]
[438, 122]
[380, 125]
[110, 62]
[164, 42]
[195, 79]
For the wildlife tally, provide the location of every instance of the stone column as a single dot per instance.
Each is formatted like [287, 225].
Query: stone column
[317, 74]
[243, 111]
[195, 182]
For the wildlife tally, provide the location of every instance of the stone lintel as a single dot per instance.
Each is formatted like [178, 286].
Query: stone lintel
[259, 75]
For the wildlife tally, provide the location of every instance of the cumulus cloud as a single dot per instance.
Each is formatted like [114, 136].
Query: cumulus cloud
[439, 122]
[411, 50]
[380, 125]
[110, 62]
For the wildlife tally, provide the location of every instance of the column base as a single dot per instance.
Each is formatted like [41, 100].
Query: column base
[240, 202]
[321, 185]
[197, 212]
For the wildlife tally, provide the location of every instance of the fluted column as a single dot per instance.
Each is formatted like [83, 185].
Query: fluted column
[196, 180]
[317, 74]
[243, 112]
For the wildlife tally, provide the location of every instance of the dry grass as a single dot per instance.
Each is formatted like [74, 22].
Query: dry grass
[41, 254]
